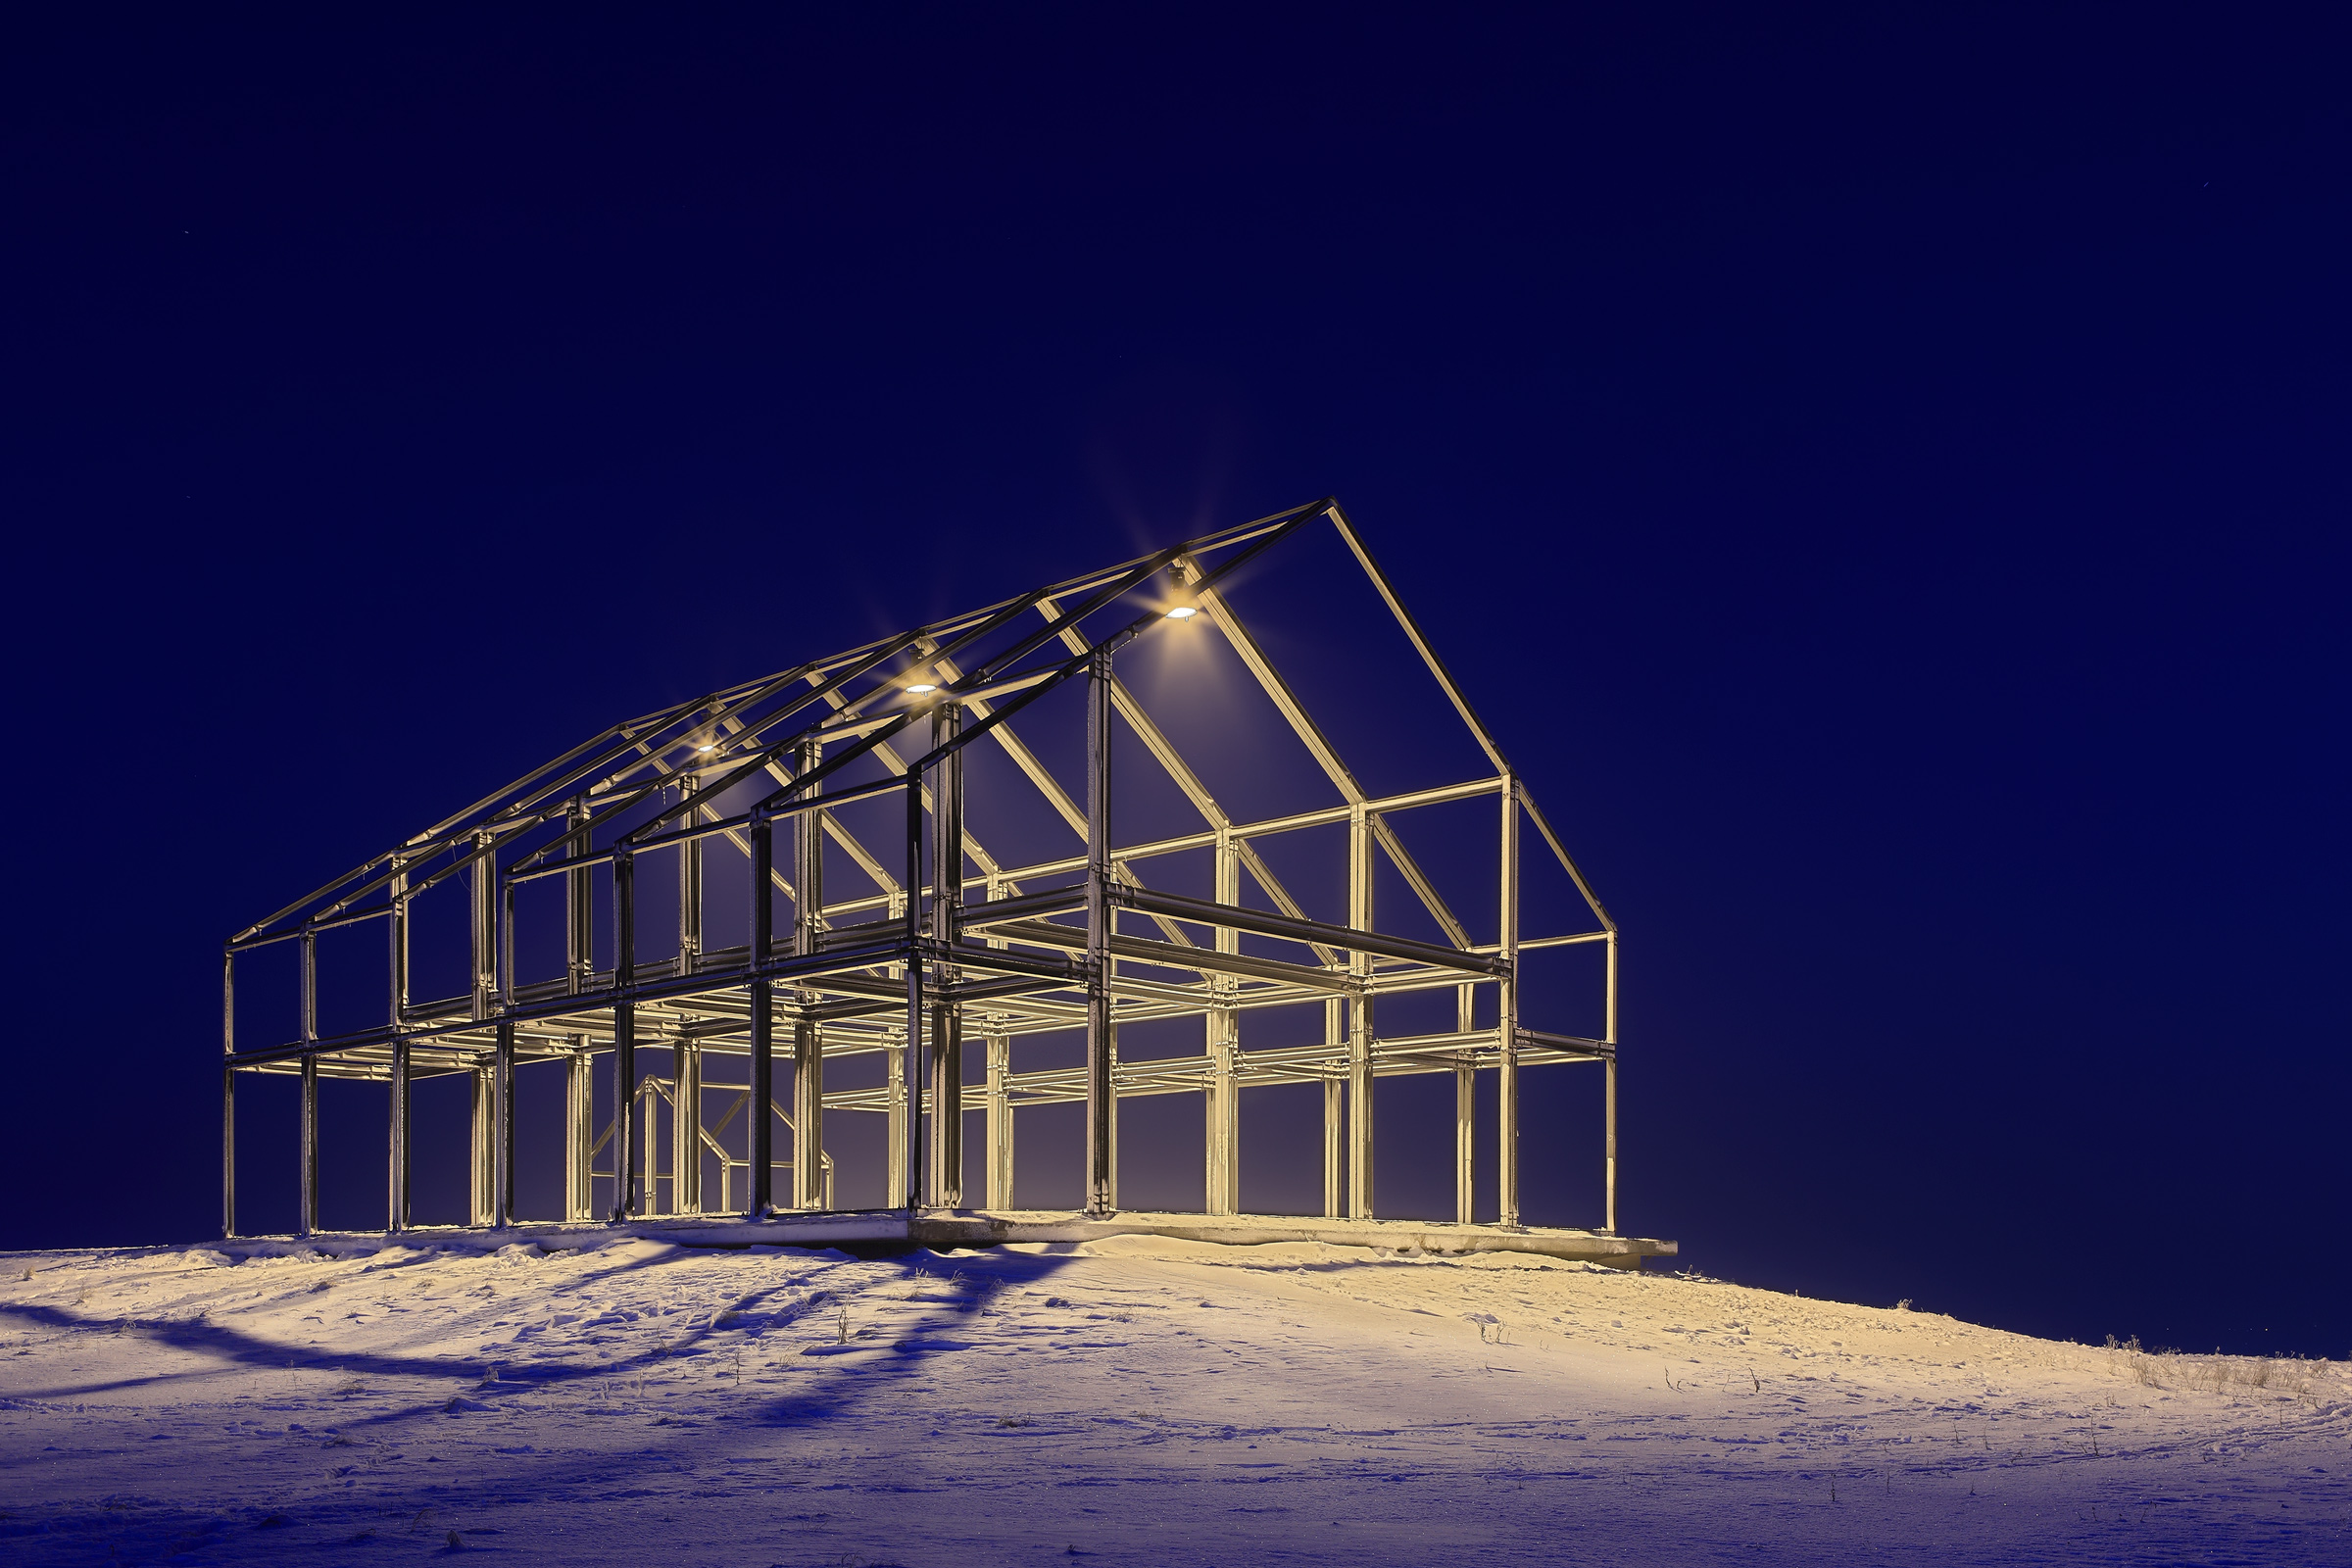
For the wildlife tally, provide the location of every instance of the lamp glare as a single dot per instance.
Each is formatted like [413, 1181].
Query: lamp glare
[921, 687]
[1183, 612]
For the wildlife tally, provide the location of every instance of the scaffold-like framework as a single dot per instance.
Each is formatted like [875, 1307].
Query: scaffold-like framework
[940, 941]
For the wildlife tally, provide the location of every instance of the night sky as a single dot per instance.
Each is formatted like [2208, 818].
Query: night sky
[1884, 478]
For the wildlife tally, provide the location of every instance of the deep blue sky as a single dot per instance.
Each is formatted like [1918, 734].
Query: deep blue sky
[1885, 477]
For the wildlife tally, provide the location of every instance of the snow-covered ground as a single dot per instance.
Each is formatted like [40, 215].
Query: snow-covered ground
[628, 1401]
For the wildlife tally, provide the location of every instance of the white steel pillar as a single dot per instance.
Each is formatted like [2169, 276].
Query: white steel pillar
[1222, 1141]
[305, 1221]
[502, 1137]
[944, 1168]
[628, 1171]
[758, 1128]
[999, 1122]
[1608, 1112]
[396, 1194]
[894, 1190]
[1102, 1097]
[1506, 1149]
[579, 1129]
[808, 1040]
[1335, 1100]
[482, 1167]
[1359, 1019]
[1465, 1110]
[686, 1130]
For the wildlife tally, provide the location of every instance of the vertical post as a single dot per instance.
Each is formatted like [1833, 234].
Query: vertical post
[808, 1040]
[228, 1151]
[579, 1117]
[229, 1093]
[1359, 1018]
[1101, 1095]
[305, 1218]
[482, 902]
[895, 1055]
[627, 1175]
[686, 1130]
[1222, 1142]
[482, 1166]
[650, 1159]
[1465, 1110]
[1507, 1148]
[690, 887]
[502, 1137]
[999, 1122]
[759, 1122]
[945, 1188]
[579, 906]
[909, 1174]
[1608, 1106]
[306, 1020]
[397, 928]
[1335, 1100]
[481, 887]
[397, 1187]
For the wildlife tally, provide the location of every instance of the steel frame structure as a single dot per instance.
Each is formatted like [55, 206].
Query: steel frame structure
[912, 965]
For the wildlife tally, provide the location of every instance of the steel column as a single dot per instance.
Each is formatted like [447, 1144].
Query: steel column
[895, 1139]
[228, 1151]
[483, 909]
[999, 1122]
[1222, 1142]
[686, 1129]
[397, 936]
[306, 1220]
[808, 1040]
[579, 1130]
[1335, 1100]
[1465, 1114]
[1608, 1116]
[397, 1187]
[908, 1173]
[502, 1138]
[943, 1184]
[1359, 1014]
[1506, 1149]
[580, 905]
[760, 1121]
[690, 887]
[482, 1147]
[628, 1177]
[1101, 1099]
[1608, 1112]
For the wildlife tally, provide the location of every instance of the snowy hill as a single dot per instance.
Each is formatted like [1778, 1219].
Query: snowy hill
[627, 1400]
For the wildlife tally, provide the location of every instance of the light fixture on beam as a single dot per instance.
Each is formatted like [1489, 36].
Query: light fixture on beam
[923, 686]
[1183, 612]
